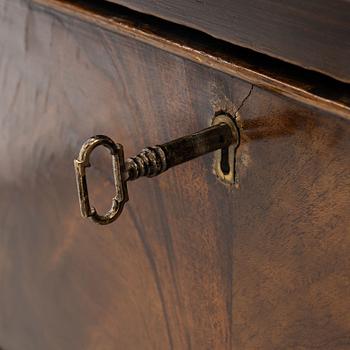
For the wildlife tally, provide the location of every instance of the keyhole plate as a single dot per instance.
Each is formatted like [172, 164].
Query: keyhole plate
[225, 159]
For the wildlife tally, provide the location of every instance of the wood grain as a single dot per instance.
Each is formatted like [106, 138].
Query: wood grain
[294, 82]
[191, 264]
[313, 34]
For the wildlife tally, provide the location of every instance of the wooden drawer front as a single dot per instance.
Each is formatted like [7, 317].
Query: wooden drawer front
[191, 264]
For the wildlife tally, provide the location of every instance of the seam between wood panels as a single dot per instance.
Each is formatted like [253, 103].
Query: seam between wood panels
[299, 90]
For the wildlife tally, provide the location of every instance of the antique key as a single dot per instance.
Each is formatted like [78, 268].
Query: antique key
[152, 161]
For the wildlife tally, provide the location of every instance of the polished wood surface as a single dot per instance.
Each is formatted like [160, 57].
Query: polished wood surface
[260, 70]
[191, 264]
[313, 34]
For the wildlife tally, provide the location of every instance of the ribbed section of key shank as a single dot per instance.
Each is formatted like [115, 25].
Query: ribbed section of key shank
[151, 161]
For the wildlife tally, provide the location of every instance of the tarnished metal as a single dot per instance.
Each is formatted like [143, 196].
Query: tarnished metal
[150, 162]
[121, 191]
[225, 158]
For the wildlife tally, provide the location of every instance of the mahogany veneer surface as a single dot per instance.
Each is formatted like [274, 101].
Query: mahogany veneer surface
[191, 263]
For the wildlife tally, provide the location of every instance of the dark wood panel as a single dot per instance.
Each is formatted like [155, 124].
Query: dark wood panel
[302, 85]
[191, 264]
[313, 34]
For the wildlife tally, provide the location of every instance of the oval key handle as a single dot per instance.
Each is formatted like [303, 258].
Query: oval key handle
[121, 191]
[151, 161]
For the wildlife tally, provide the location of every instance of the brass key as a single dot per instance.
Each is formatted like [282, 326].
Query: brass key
[151, 161]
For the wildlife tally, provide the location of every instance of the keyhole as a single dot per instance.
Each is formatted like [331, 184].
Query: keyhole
[224, 162]
[225, 158]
